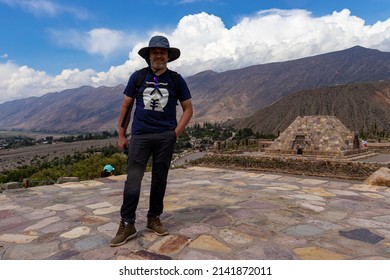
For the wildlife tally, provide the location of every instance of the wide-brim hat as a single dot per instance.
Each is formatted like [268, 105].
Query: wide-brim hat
[159, 42]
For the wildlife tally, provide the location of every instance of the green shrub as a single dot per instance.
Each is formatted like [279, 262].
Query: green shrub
[47, 176]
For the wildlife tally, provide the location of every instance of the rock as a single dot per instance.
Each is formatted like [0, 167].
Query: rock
[381, 177]
[67, 180]
[10, 185]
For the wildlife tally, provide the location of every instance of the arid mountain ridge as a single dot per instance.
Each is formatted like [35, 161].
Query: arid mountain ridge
[352, 84]
[361, 107]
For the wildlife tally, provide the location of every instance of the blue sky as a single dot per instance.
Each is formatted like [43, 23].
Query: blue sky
[51, 45]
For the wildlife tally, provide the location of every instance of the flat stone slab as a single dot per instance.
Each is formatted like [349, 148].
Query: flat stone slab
[362, 234]
[210, 213]
[17, 238]
[304, 230]
[60, 207]
[76, 232]
[209, 243]
[318, 253]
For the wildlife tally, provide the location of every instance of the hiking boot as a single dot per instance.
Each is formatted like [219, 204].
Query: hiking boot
[156, 226]
[125, 233]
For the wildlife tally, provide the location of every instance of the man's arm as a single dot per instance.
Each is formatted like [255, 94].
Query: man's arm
[124, 120]
[185, 117]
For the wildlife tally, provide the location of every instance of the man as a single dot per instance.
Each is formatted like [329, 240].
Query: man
[154, 133]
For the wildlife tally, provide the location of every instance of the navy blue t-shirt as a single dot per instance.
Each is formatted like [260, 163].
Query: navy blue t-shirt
[155, 102]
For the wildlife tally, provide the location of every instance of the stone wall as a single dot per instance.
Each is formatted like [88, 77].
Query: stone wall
[299, 166]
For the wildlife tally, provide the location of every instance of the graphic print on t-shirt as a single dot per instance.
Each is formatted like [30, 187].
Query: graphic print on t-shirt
[155, 97]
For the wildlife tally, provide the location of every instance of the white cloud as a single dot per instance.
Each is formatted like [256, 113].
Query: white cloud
[205, 43]
[21, 82]
[102, 41]
[45, 8]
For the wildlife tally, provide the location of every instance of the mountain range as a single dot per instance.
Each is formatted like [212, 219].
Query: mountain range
[361, 107]
[351, 83]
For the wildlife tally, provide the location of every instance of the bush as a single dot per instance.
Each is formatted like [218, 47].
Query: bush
[91, 168]
[76, 166]
[47, 176]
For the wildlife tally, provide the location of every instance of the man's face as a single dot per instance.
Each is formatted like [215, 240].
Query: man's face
[159, 58]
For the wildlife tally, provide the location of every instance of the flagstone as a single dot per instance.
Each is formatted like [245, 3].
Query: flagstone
[99, 205]
[274, 252]
[76, 232]
[17, 238]
[91, 242]
[65, 255]
[219, 221]
[171, 244]
[60, 207]
[239, 213]
[373, 195]
[92, 183]
[285, 188]
[9, 207]
[71, 185]
[109, 228]
[366, 188]
[344, 192]
[211, 214]
[270, 177]
[196, 255]
[304, 230]
[56, 227]
[120, 178]
[12, 223]
[362, 234]
[318, 191]
[324, 224]
[282, 217]
[312, 181]
[234, 237]
[209, 243]
[103, 211]
[367, 223]
[254, 252]
[32, 251]
[6, 214]
[309, 197]
[172, 206]
[318, 253]
[312, 207]
[195, 230]
[103, 253]
[74, 212]
[43, 223]
[198, 182]
[383, 218]
[91, 220]
[38, 214]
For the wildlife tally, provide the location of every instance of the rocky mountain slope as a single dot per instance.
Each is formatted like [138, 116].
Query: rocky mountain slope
[240, 93]
[82, 109]
[359, 106]
[216, 96]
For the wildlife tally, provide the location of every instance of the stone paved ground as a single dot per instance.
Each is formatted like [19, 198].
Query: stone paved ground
[211, 214]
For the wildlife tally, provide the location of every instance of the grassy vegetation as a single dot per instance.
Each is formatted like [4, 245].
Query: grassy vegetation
[88, 165]
[84, 166]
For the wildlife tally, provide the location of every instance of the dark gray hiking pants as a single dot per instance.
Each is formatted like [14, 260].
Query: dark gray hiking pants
[160, 146]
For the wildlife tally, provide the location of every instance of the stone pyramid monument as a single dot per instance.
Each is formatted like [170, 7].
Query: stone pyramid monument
[317, 136]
